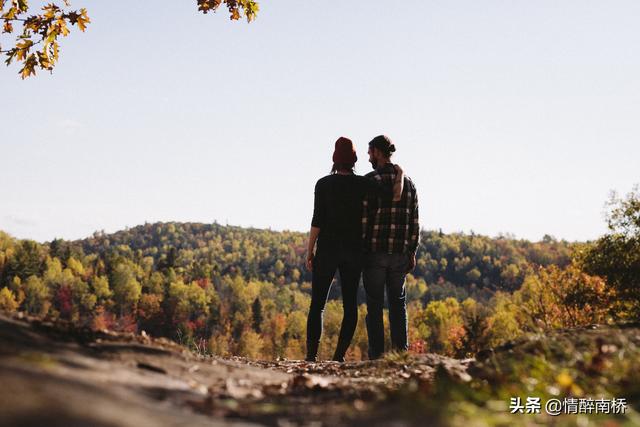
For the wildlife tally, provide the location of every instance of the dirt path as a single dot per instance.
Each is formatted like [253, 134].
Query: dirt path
[56, 375]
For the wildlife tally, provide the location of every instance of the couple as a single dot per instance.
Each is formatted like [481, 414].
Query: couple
[362, 224]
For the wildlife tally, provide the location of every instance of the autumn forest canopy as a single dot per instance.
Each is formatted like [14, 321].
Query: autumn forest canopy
[232, 290]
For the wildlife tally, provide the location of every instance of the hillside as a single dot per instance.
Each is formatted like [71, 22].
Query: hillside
[233, 291]
[466, 261]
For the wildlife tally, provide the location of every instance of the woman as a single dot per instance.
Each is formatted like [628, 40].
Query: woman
[336, 227]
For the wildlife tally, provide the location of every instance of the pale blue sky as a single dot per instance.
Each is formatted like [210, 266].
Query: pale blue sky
[510, 116]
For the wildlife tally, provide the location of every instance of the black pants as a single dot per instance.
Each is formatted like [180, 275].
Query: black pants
[386, 271]
[349, 263]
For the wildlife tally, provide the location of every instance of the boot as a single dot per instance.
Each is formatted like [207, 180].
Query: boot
[341, 350]
[312, 352]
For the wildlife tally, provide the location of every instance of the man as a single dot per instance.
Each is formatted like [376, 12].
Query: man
[391, 240]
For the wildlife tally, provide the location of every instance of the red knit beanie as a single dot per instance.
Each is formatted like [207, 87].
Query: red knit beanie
[344, 153]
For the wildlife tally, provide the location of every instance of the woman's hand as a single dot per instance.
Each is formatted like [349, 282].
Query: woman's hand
[309, 263]
[398, 184]
[412, 263]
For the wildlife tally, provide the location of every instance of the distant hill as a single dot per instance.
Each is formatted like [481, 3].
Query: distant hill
[254, 253]
[243, 291]
[452, 264]
[456, 264]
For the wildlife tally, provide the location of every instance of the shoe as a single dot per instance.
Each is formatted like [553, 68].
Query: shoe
[340, 352]
[312, 352]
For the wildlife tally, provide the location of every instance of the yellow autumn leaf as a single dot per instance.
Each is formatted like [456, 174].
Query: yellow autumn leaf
[55, 50]
[82, 24]
[45, 61]
[10, 14]
[24, 44]
[49, 12]
[29, 67]
[61, 24]
[83, 19]
[564, 380]
[32, 23]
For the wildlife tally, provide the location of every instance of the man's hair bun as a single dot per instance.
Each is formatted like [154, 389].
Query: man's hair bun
[383, 143]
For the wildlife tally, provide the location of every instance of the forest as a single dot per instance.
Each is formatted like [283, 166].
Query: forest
[229, 290]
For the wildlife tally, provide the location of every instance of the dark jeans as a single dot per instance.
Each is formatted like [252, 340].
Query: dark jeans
[349, 263]
[388, 271]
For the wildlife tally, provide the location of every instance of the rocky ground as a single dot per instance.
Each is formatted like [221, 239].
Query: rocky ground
[56, 374]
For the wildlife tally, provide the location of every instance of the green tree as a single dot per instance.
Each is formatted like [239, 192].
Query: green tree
[84, 299]
[278, 268]
[189, 301]
[53, 272]
[296, 334]
[100, 286]
[415, 288]
[7, 300]
[75, 266]
[250, 344]
[474, 317]
[36, 296]
[256, 309]
[538, 305]
[445, 326]
[26, 261]
[125, 286]
[616, 256]
[502, 324]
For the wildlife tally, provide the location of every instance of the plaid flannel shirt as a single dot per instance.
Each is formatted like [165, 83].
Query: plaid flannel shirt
[388, 226]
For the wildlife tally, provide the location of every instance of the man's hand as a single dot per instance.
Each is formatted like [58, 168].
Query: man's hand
[309, 262]
[412, 263]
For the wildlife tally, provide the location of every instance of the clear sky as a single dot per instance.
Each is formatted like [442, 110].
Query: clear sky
[510, 116]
